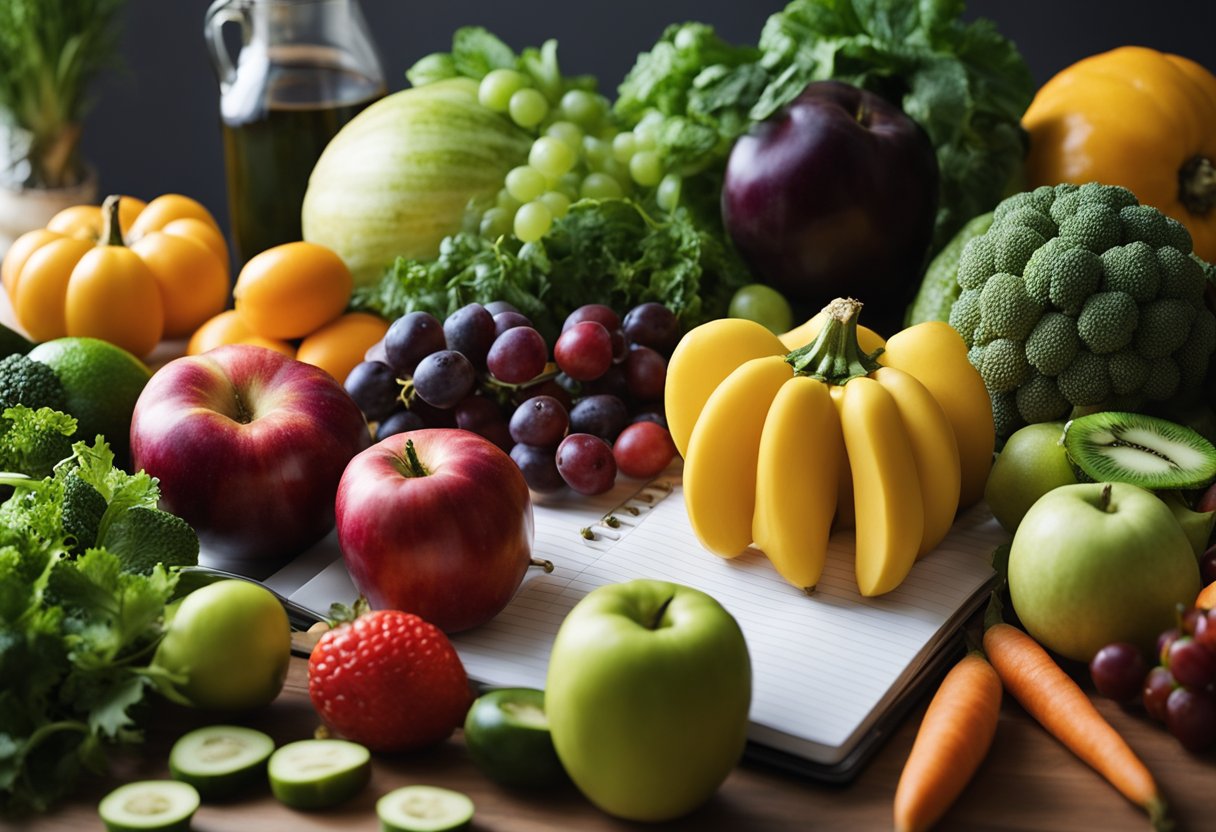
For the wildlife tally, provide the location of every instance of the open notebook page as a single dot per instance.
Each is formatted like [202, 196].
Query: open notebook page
[824, 666]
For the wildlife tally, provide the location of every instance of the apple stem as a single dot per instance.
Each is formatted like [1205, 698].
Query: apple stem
[835, 357]
[546, 565]
[111, 228]
[413, 464]
[1104, 500]
[657, 620]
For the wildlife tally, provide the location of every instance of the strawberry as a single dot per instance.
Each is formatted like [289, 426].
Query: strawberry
[389, 680]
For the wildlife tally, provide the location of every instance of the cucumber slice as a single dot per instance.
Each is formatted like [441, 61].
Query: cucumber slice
[221, 760]
[315, 774]
[424, 809]
[507, 734]
[149, 805]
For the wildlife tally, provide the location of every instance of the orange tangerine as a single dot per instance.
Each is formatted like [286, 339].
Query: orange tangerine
[291, 290]
[339, 345]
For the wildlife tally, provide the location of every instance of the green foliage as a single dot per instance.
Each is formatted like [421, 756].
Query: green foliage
[77, 634]
[33, 441]
[1078, 297]
[52, 50]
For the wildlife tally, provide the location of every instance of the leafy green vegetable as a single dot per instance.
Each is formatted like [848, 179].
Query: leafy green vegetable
[609, 251]
[33, 441]
[77, 634]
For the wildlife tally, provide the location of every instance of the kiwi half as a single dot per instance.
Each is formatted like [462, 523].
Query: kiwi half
[1141, 450]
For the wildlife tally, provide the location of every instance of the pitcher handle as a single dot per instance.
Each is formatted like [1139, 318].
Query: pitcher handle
[220, 13]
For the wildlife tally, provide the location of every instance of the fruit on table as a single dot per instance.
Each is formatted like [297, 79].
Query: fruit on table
[163, 278]
[1080, 297]
[291, 290]
[648, 690]
[507, 733]
[149, 806]
[318, 774]
[421, 808]
[762, 463]
[1142, 450]
[221, 760]
[248, 446]
[1031, 463]
[1095, 563]
[230, 641]
[340, 344]
[1093, 117]
[437, 522]
[834, 195]
[228, 328]
[388, 680]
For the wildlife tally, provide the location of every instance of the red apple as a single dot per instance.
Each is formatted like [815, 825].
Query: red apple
[248, 446]
[437, 522]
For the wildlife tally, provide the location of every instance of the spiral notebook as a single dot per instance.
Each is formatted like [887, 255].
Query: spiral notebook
[832, 671]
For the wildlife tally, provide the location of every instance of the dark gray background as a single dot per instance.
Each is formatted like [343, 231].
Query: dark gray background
[155, 126]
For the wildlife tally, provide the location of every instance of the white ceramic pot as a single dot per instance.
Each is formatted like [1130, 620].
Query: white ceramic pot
[24, 209]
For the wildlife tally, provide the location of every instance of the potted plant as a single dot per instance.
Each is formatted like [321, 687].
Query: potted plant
[52, 51]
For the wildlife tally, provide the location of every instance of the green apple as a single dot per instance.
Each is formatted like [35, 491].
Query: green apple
[1198, 525]
[1096, 563]
[648, 692]
[230, 643]
[1032, 463]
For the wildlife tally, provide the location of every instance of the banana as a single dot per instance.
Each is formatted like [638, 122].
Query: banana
[723, 450]
[936, 355]
[934, 449]
[844, 477]
[886, 488]
[801, 451]
[704, 357]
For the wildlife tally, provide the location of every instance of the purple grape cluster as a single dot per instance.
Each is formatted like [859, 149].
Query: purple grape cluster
[571, 417]
[1179, 690]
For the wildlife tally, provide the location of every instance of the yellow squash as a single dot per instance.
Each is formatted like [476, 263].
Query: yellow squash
[1138, 118]
[777, 443]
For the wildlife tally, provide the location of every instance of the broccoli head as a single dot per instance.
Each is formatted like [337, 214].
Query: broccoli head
[1080, 297]
[142, 537]
[32, 441]
[31, 383]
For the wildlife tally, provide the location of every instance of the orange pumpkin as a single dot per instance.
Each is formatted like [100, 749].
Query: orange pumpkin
[1138, 118]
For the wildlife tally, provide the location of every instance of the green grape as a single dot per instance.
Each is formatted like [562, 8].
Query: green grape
[532, 221]
[617, 170]
[762, 304]
[570, 184]
[668, 194]
[568, 132]
[496, 89]
[505, 200]
[601, 186]
[496, 222]
[623, 146]
[557, 203]
[596, 151]
[582, 107]
[551, 156]
[646, 168]
[525, 183]
[528, 107]
[645, 137]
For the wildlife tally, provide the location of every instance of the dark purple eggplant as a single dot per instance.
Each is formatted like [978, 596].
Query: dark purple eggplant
[835, 197]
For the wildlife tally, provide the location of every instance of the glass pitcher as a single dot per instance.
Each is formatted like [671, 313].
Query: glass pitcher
[304, 68]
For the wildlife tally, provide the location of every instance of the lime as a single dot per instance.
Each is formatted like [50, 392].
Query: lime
[102, 383]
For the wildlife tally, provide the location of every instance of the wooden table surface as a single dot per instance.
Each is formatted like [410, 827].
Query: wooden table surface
[1027, 782]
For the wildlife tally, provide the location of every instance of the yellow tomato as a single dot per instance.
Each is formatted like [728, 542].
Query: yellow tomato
[85, 221]
[193, 281]
[113, 295]
[291, 290]
[339, 345]
[227, 328]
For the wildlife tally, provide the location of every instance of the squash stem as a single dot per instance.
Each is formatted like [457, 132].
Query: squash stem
[835, 357]
[111, 227]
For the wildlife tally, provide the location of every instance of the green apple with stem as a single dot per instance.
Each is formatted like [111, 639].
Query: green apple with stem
[648, 691]
[1096, 563]
[1031, 463]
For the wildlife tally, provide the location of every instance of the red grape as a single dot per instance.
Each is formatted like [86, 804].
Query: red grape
[646, 374]
[600, 415]
[1157, 687]
[1164, 641]
[539, 467]
[548, 387]
[411, 338]
[1190, 663]
[586, 463]
[509, 319]
[611, 383]
[470, 330]
[1190, 715]
[373, 386]
[398, 422]
[444, 378]
[517, 355]
[1118, 671]
[540, 421]
[653, 325]
[1205, 630]
[644, 449]
[600, 313]
[496, 306]
[584, 351]
[477, 413]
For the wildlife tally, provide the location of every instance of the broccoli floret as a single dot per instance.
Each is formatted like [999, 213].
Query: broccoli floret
[31, 383]
[83, 507]
[1079, 297]
[143, 537]
[32, 441]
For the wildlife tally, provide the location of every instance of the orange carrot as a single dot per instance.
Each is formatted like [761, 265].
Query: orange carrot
[953, 740]
[1059, 705]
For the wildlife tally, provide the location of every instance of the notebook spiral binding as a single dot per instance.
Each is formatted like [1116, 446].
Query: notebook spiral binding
[622, 519]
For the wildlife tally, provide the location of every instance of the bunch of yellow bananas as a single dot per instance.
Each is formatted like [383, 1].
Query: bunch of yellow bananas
[891, 438]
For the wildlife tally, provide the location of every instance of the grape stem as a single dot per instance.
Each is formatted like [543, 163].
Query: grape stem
[835, 357]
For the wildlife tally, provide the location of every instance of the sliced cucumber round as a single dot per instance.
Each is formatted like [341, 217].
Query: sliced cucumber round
[315, 774]
[424, 809]
[221, 760]
[150, 806]
[507, 734]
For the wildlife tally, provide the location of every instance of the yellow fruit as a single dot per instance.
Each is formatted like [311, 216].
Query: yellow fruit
[339, 345]
[292, 290]
[228, 328]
